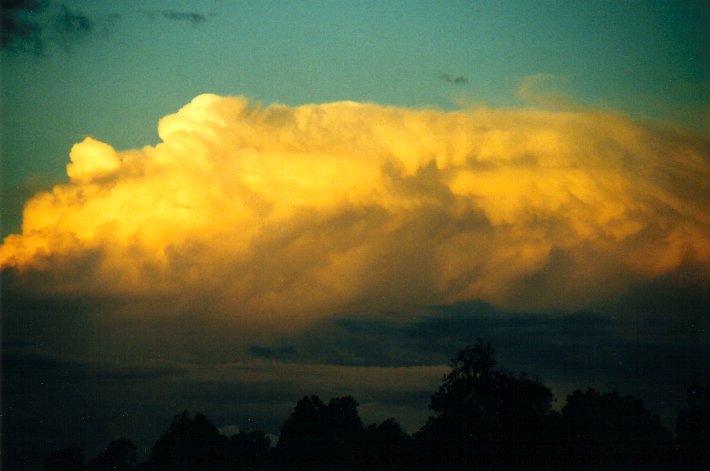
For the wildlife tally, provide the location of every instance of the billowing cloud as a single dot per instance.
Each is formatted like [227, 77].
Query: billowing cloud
[281, 215]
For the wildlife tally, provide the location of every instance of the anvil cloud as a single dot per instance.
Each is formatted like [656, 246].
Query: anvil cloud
[283, 215]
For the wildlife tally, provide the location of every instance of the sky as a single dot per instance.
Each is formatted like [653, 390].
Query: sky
[224, 206]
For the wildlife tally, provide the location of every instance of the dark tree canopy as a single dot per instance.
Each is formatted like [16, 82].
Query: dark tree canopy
[306, 424]
[693, 429]
[194, 443]
[475, 389]
[483, 418]
[386, 446]
[119, 455]
[320, 433]
[248, 450]
[610, 428]
[485, 414]
[191, 443]
[69, 458]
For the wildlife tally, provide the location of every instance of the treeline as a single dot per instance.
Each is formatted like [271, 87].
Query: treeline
[483, 418]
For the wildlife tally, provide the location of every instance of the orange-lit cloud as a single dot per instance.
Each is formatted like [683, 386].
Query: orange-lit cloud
[291, 213]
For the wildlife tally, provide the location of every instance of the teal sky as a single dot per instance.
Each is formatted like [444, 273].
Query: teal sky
[131, 62]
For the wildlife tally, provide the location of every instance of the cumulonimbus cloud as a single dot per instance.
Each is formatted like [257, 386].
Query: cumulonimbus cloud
[291, 213]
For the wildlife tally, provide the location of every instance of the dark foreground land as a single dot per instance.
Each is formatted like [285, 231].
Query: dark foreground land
[483, 418]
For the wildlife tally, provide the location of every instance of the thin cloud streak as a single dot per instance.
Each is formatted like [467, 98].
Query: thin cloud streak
[191, 17]
[456, 80]
[531, 89]
[29, 25]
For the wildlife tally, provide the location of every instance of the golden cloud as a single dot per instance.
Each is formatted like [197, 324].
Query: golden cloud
[291, 213]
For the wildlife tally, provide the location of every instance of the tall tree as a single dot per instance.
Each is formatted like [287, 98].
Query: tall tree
[191, 443]
[385, 447]
[486, 416]
[320, 435]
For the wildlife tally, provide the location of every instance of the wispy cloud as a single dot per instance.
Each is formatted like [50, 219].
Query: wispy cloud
[34, 25]
[192, 17]
[71, 22]
[29, 25]
[22, 25]
[456, 80]
[535, 90]
[267, 352]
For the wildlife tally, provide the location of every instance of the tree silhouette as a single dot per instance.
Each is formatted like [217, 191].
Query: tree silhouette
[386, 446]
[69, 458]
[486, 416]
[483, 418]
[343, 426]
[301, 434]
[191, 443]
[606, 430]
[693, 429]
[249, 450]
[119, 455]
[319, 435]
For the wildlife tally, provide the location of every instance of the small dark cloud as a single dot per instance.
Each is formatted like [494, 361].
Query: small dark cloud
[21, 28]
[72, 22]
[456, 80]
[29, 25]
[272, 353]
[21, 4]
[192, 17]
